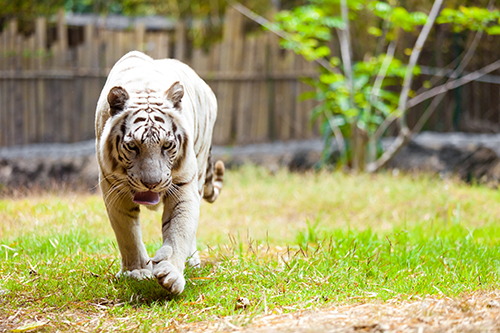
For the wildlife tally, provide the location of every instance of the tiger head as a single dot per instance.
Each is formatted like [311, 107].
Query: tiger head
[144, 142]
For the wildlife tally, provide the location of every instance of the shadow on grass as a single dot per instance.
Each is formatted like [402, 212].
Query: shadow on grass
[149, 292]
[144, 292]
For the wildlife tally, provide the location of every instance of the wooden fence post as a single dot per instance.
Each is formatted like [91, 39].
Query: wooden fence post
[260, 110]
[89, 61]
[230, 60]
[246, 95]
[3, 93]
[39, 54]
[67, 90]
[180, 51]
[14, 97]
[62, 40]
[140, 31]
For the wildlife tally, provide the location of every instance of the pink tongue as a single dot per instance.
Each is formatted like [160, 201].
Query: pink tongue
[146, 198]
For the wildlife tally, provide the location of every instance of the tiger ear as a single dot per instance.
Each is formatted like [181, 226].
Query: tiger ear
[174, 94]
[117, 97]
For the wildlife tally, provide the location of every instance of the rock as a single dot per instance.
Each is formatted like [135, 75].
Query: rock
[480, 166]
[471, 163]
[474, 158]
[242, 303]
[304, 160]
[417, 157]
[493, 304]
[49, 173]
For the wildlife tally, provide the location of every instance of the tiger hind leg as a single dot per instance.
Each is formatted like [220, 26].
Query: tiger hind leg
[214, 180]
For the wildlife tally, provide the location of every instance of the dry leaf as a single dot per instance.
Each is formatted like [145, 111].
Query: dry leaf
[30, 326]
[242, 303]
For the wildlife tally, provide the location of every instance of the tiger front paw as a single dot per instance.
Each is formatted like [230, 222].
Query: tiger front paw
[169, 277]
[137, 274]
[194, 261]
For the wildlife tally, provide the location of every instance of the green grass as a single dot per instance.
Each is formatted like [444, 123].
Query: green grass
[284, 241]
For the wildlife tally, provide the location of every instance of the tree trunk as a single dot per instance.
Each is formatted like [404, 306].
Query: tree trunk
[359, 140]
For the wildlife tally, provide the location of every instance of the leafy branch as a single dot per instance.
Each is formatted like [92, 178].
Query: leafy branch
[359, 102]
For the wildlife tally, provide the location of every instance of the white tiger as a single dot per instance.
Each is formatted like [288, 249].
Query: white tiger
[154, 122]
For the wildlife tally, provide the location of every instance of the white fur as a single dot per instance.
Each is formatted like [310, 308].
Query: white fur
[138, 74]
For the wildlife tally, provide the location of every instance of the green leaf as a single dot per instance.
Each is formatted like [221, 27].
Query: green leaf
[308, 80]
[374, 31]
[418, 18]
[494, 30]
[343, 102]
[334, 22]
[389, 96]
[329, 78]
[382, 107]
[351, 112]
[317, 112]
[334, 61]
[307, 95]
[322, 51]
[360, 81]
[338, 120]
[381, 9]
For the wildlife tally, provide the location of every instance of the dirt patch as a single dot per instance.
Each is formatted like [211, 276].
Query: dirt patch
[479, 312]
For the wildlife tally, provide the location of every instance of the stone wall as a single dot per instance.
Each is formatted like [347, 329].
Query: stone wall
[473, 158]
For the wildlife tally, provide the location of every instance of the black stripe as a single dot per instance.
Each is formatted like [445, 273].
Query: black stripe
[177, 204]
[185, 183]
[123, 127]
[107, 181]
[127, 214]
[174, 214]
[114, 162]
[165, 223]
[159, 119]
[210, 168]
[174, 125]
[183, 141]
[117, 142]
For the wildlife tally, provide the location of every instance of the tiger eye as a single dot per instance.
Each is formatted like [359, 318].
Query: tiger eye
[131, 145]
[167, 145]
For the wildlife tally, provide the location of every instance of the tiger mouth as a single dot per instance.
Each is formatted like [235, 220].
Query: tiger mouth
[146, 198]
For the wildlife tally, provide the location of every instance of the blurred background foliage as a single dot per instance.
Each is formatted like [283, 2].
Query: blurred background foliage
[381, 37]
[25, 9]
[209, 13]
[364, 51]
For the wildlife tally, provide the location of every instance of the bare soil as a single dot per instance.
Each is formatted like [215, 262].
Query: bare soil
[478, 312]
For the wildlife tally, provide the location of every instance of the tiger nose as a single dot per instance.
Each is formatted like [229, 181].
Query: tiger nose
[150, 185]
